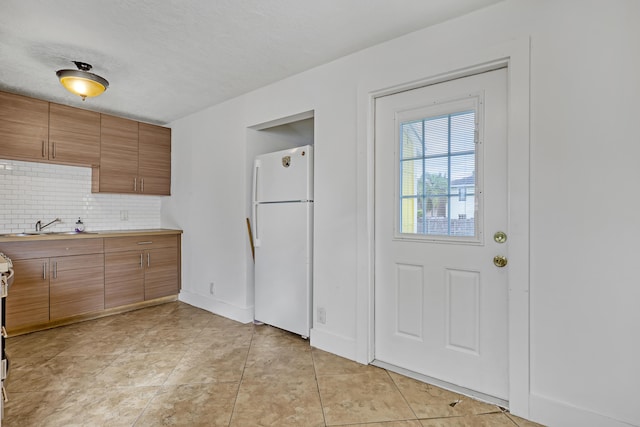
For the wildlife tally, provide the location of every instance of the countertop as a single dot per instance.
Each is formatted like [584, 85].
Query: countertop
[91, 234]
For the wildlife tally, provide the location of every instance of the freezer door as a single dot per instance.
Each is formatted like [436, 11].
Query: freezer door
[283, 266]
[284, 175]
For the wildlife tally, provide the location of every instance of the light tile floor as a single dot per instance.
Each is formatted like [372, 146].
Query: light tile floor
[178, 365]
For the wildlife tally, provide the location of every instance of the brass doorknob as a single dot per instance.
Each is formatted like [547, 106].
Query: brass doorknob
[500, 261]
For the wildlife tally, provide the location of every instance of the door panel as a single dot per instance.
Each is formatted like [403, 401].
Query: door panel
[24, 127]
[28, 298]
[76, 285]
[118, 155]
[161, 272]
[462, 310]
[74, 135]
[154, 159]
[123, 278]
[440, 194]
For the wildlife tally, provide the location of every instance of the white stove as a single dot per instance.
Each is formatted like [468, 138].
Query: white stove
[6, 279]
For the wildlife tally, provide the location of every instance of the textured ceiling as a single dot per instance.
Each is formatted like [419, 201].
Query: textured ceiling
[165, 59]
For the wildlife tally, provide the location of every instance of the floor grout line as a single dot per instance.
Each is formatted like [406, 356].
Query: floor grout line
[244, 367]
[315, 375]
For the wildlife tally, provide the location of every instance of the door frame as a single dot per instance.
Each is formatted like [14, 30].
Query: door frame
[515, 55]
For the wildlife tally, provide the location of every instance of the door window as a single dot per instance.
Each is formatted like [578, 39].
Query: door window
[438, 171]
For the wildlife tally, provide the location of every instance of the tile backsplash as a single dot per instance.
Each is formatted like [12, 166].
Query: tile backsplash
[31, 192]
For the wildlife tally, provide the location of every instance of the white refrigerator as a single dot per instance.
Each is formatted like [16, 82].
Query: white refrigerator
[282, 231]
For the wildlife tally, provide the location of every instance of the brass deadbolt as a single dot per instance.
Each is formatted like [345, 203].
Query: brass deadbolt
[500, 236]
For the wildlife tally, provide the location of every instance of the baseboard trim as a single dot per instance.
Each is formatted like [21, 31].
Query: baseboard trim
[333, 343]
[551, 412]
[222, 308]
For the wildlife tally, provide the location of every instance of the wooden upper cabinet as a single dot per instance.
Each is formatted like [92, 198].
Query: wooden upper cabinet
[24, 128]
[154, 159]
[74, 136]
[118, 170]
[134, 158]
[126, 156]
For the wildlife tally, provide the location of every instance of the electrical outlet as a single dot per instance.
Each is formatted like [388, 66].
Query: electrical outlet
[124, 215]
[212, 288]
[322, 315]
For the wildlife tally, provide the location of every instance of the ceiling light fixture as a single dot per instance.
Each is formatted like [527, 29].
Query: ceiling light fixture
[81, 82]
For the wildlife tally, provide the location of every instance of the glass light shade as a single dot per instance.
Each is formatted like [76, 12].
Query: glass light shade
[82, 83]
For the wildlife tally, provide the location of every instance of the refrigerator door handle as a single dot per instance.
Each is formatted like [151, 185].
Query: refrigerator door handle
[256, 169]
[256, 237]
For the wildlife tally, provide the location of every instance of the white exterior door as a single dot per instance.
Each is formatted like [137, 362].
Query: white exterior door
[440, 209]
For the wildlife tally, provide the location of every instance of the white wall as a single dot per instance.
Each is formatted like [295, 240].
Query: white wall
[584, 291]
[42, 192]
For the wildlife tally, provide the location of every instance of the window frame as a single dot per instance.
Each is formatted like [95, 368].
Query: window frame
[472, 101]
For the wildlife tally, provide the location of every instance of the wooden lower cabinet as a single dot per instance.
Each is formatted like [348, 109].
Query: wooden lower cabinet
[161, 273]
[55, 279]
[49, 289]
[123, 278]
[76, 285]
[28, 300]
[141, 269]
[59, 281]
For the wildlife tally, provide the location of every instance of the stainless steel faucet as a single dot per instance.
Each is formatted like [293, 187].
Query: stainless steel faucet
[40, 227]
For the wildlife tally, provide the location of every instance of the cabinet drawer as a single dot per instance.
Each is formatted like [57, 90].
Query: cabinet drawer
[51, 248]
[133, 243]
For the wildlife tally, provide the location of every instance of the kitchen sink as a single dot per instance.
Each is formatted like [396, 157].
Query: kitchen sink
[45, 233]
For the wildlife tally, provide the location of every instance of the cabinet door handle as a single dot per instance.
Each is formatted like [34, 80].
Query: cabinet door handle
[44, 271]
[54, 150]
[55, 270]
[140, 259]
[148, 259]
[142, 185]
[148, 242]
[4, 395]
[135, 184]
[43, 152]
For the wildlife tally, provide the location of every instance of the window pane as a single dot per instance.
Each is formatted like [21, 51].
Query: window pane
[463, 171]
[462, 201]
[411, 177]
[463, 133]
[436, 177]
[436, 135]
[411, 134]
[462, 224]
[409, 216]
[436, 219]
